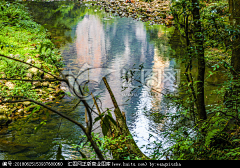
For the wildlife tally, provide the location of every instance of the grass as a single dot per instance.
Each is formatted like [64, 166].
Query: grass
[23, 39]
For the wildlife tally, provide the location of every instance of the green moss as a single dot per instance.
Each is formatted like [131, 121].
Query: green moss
[23, 39]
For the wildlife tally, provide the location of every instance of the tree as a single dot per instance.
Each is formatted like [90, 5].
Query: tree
[234, 11]
[201, 62]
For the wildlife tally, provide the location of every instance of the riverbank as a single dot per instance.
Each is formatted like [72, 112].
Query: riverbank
[156, 12]
[24, 44]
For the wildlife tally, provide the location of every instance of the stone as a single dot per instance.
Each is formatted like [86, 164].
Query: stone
[21, 112]
[10, 85]
[47, 76]
[45, 84]
[17, 56]
[34, 71]
[30, 61]
[29, 75]
[3, 110]
[3, 119]
[37, 84]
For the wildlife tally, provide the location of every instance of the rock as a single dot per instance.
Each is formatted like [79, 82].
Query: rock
[45, 84]
[21, 112]
[17, 56]
[37, 84]
[3, 119]
[29, 75]
[10, 85]
[47, 76]
[3, 110]
[31, 154]
[34, 71]
[30, 61]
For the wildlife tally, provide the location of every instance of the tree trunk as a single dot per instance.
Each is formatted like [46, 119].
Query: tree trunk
[234, 10]
[201, 62]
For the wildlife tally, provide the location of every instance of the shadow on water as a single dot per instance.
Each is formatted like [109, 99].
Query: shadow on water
[107, 46]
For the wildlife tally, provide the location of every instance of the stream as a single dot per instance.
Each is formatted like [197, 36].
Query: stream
[95, 44]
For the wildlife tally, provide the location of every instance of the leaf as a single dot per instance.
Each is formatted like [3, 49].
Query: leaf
[236, 140]
[105, 126]
[192, 150]
[111, 119]
[98, 118]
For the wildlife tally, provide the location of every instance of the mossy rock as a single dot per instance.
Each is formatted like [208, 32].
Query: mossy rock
[30, 108]
[3, 119]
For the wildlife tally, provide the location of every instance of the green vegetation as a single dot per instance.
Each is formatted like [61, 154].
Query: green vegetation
[216, 136]
[198, 130]
[25, 49]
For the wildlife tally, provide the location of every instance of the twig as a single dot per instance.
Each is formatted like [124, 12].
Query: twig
[30, 65]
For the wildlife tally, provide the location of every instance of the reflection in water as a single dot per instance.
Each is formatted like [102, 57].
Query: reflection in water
[90, 42]
[109, 48]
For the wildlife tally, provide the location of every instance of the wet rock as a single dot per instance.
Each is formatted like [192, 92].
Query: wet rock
[11, 147]
[3, 119]
[31, 153]
[20, 112]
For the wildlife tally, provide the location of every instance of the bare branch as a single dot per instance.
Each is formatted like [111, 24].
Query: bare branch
[34, 80]
[30, 65]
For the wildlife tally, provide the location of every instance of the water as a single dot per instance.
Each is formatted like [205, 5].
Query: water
[95, 44]
[110, 48]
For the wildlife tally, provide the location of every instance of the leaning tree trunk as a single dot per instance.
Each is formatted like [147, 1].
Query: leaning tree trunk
[124, 145]
[201, 62]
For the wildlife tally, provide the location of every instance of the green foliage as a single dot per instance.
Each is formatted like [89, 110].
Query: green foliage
[106, 120]
[23, 39]
[105, 144]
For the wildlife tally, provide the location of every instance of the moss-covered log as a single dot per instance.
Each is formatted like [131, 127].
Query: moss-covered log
[125, 146]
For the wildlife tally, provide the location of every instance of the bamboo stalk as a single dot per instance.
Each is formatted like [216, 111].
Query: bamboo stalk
[94, 100]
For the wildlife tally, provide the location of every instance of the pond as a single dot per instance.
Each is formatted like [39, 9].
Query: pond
[95, 44]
